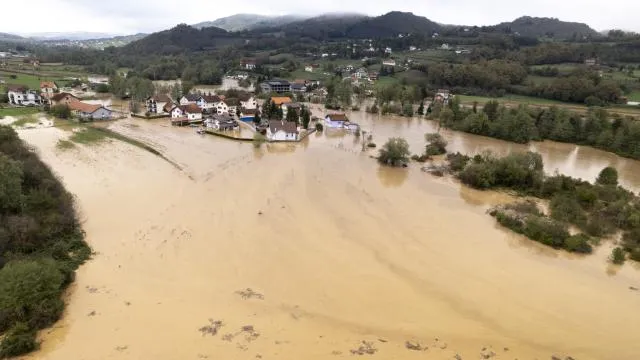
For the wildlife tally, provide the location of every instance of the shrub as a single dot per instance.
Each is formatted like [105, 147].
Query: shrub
[617, 256]
[319, 127]
[457, 161]
[546, 231]
[437, 144]
[420, 158]
[608, 176]
[478, 175]
[578, 243]
[566, 208]
[394, 152]
[19, 340]
[61, 111]
[30, 293]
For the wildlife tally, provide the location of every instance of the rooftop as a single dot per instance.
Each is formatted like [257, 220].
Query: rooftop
[279, 100]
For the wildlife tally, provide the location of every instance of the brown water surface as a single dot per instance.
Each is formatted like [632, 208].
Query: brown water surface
[342, 250]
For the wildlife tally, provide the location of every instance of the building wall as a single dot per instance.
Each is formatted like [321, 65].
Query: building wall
[249, 104]
[102, 114]
[333, 124]
[176, 113]
[194, 116]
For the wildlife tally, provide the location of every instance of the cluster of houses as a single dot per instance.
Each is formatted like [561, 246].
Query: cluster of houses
[20, 95]
[193, 106]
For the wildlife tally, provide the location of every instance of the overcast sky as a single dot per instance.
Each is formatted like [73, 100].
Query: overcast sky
[132, 16]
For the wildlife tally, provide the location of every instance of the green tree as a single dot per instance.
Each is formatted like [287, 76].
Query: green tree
[11, 177]
[61, 111]
[292, 115]
[437, 145]
[394, 152]
[617, 256]
[256, 119]
[19, 340]
[608, 176]
[421, 108]
[186, 87]
[306, 118]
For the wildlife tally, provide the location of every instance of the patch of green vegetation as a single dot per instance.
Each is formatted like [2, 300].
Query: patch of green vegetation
[18, 111]
[598, 210]
[387, 80]
[41, 245]
[24, 120]
[634, 96]
[88, 135]
[32, 81]
[65, 144]
[525, 100]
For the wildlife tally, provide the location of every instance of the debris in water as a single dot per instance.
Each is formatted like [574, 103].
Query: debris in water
[122, 348]
[632, 288]
[92, 290]
[259, 212]
[336, 353]
[228, 337]
[414, 346]
[383, 340]
[487, 353]
[365, 348]
[212, 328]
[249, 293]
[127, 303]
[458, 357]
[93, 313]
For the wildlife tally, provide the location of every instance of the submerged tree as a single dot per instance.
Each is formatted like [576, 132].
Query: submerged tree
[437, 145]
[394, 152]
[608, 176]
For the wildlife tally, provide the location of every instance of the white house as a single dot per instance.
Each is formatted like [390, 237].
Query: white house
[308, 68]
[248, 102]
[189, 99]
[412, 48]
[21, 95]
[336, 121]
[248, 64]
[445, 46]
[48, 89]
[282, 131]
[156, 104]
[388, 50]
[190, 111]
[389, 62]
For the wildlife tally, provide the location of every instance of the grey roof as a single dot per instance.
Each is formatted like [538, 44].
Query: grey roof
[288, 127]
[193, 97]
[278, 82]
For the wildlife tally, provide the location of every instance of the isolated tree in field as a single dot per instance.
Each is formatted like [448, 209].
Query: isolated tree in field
[608, 176]
[394, 152]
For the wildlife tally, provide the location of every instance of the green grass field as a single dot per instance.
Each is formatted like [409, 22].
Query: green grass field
[539, 80]
[18, 111]
[634, 96]
[387, 80]
[513, 98]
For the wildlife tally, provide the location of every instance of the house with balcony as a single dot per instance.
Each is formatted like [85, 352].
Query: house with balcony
[276, 86]
[20, 95]
[155, 104]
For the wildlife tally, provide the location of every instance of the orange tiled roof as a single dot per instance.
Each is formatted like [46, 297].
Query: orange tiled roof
[279, 100]
[83, 107]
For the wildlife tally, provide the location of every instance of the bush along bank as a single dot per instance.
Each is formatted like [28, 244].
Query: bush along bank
[41, 245]
[597, 210]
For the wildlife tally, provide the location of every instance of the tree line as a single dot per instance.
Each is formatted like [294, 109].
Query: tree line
[41, 244]
[620, 135]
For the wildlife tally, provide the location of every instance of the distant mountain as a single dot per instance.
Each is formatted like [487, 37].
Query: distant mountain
[76, 35]
[116, 41]
[11, 37]
[325, 26]
[536, 27]
[392, 24]
[182, 38]
[241, 22]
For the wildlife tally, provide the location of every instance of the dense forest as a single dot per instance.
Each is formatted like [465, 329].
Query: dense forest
[41, 244]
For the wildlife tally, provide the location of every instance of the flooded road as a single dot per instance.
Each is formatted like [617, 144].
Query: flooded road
[340, 250]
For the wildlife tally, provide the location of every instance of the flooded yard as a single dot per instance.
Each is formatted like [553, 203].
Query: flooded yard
[314, 251]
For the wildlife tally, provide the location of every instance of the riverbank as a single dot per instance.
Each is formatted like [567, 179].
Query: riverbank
[376, 254]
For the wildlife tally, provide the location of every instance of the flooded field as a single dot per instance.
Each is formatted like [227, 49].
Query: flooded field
[314, 251]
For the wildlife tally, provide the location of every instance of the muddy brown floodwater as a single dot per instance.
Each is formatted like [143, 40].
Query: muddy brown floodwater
[335, 249]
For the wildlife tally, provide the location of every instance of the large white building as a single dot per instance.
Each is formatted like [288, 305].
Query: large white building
[22, 96]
